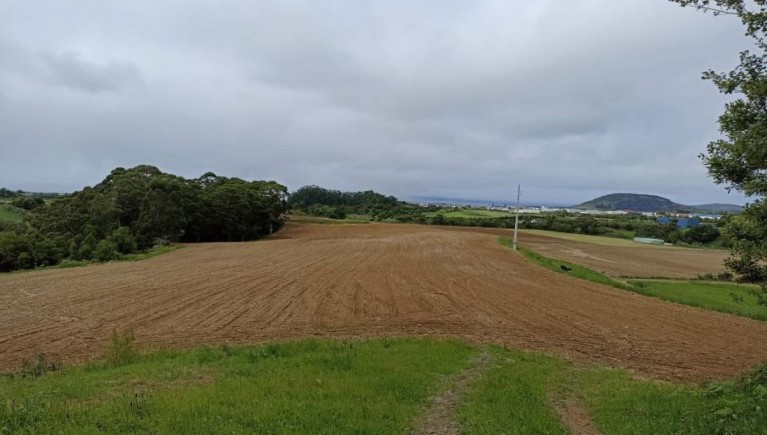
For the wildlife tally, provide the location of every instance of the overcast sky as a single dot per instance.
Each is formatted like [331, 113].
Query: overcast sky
[446, 98]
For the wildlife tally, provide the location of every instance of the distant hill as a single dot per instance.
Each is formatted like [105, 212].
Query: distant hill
[649, 203]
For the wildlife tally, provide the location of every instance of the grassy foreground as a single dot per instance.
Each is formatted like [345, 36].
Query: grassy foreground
[301, 387]
[716, 296]
[365, 387]
[11, 214]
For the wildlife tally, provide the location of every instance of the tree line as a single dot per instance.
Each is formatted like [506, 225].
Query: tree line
[136, 209]
[334, 204]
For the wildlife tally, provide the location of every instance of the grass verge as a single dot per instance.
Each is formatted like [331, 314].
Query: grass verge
[716, 296]
[515, 396]
[571, 269]
[317, 387]
[360, 387]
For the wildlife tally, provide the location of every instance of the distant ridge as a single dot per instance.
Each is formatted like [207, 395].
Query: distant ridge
[650, 203]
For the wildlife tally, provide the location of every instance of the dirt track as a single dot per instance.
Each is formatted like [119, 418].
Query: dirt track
[365, 280]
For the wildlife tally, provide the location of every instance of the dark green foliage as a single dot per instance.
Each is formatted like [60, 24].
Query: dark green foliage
[739, 159]
[137, 209]
[334, 204]
[7, 193]
[739, 404]
[28, 203]
[702, 234]
[123, 240]
[106, 250]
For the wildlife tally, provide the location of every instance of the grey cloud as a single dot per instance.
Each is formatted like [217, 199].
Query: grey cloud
[68, 69]
[440, 98]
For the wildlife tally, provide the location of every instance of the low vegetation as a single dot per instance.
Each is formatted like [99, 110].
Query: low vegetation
[302, 387]
[377, 386]
[10, 215]
[741, 299]
[571, 269]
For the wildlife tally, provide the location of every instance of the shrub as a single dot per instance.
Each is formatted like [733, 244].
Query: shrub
[39, 367]
[123, 240]
[25, 261]
[120, 351]
[106, 251]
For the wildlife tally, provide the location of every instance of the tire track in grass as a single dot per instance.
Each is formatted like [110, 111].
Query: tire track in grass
[573, 414]
[438, 418]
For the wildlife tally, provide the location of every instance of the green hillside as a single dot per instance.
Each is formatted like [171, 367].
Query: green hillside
[649, 203]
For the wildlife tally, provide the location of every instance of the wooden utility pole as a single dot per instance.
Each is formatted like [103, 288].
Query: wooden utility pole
[516, 218]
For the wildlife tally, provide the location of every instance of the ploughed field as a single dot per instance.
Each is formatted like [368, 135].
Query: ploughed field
[363, 281]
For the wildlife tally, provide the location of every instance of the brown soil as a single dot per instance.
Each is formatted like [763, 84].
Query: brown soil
[620, 261]
[364, 281]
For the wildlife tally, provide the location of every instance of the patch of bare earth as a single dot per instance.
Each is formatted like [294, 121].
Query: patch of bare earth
[574, 415]
[438, 418]
[347, 281]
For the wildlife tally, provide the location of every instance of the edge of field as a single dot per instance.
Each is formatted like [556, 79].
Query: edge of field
[733, 298]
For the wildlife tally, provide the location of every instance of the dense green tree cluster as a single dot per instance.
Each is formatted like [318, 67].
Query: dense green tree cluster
[318, 201]
[7, 193]
[139, 208]
[28, 202]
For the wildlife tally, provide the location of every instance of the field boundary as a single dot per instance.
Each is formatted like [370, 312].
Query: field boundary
[635, 285]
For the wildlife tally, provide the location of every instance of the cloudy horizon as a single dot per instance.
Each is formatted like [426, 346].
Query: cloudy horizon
[446, 99]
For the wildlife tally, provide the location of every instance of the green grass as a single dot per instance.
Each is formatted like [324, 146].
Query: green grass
[361, 387]
[10, 214]
[621, 405]
[299, 387]
[717, 296]
[515, 396]
[512, 395]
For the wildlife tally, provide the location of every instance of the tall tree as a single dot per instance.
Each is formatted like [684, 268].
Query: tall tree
[739, 159]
